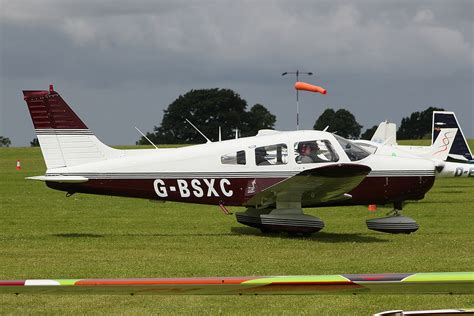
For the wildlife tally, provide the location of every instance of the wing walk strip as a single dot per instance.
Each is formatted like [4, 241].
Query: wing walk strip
[396, 283]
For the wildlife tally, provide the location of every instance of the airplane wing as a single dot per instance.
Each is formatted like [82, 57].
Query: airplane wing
[390, 283]
[324, 184]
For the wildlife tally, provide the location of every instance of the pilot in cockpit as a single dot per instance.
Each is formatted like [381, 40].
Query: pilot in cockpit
[308, 153]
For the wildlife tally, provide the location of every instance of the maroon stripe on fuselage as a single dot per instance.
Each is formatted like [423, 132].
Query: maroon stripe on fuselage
[236, 191]
[381, 190]
[228, 191]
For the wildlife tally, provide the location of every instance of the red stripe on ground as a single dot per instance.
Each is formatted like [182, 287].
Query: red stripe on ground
[12, 282]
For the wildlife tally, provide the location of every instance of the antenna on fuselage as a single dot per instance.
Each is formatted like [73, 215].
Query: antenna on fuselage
[197, 129]
[220, 134]
[146, 137]
[326, 128]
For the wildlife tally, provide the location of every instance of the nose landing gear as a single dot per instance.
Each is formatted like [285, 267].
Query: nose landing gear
[396, 223]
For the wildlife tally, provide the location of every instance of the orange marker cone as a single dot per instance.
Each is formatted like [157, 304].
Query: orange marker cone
[18, 165]
[372, 207]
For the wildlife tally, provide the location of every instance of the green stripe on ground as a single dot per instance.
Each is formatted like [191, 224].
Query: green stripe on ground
[67, 281]
[303, 278]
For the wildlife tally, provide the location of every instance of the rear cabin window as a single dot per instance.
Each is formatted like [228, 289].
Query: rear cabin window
[235, 158]
[315, 151]
[271, 155]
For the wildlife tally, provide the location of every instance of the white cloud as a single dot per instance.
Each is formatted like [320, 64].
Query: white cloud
[424, 16]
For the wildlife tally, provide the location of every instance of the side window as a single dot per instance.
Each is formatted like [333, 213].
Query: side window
[315, 151]
[271, 155]
[235, 158]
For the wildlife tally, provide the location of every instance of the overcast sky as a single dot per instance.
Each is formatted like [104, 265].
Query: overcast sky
[120, 63]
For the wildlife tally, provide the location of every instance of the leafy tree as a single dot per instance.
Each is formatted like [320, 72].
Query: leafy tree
[208, 109]
[369, 133]
[5, 141]
[417, 125]
[341, 121]
[256, 119]
[34, 142]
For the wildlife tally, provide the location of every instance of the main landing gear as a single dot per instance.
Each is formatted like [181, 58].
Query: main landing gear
[290, 220]
[395, 223]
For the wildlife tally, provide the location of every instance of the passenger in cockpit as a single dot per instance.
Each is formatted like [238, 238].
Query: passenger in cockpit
[260, 157]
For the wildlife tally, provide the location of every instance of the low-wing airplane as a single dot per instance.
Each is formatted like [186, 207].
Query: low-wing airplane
[274, 174]
[449, 148]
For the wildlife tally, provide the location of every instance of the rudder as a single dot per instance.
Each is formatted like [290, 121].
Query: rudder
[64, 139]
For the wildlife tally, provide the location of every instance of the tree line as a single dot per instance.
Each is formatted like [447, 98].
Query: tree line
[209, 109]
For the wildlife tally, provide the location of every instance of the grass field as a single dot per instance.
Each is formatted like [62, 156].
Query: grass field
[43, 234]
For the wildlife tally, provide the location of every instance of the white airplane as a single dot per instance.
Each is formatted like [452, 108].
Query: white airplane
[449, 148]
[274, 174]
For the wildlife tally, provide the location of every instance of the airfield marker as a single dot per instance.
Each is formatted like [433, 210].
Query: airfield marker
[18, 165]
[372, 207]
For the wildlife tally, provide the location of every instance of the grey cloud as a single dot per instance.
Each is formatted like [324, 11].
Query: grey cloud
[388, 47]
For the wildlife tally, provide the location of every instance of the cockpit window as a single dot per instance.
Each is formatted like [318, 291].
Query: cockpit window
[235, 158]
[271, 155]
[370, 148]
[315, 151]
[353, 151]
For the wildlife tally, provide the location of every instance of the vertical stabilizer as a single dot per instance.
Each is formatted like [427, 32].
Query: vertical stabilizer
[386, 134]
[444, 119]
[64, 139]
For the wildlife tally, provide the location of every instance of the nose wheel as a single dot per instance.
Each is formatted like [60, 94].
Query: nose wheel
[395, 223]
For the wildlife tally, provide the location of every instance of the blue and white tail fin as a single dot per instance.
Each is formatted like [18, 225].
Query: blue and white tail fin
[444, 119]
[64, 139]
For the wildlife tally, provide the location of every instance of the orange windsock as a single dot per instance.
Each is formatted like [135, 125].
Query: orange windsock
[309, 87]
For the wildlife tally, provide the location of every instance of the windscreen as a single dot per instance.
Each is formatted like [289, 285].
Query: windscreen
[353, 151]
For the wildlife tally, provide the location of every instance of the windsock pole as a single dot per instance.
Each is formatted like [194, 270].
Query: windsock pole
[297, 73]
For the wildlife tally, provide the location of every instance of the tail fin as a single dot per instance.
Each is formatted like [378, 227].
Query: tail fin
[441, 147]
[64, 139]
[386, 133]
[444, 119]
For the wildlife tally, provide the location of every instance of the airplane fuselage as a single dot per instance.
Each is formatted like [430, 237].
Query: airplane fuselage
[198, 174]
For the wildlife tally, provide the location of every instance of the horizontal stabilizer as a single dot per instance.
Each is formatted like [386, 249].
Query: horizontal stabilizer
[61, 179]
[396, 283]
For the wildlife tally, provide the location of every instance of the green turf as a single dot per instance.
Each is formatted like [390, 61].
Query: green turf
[43, 234]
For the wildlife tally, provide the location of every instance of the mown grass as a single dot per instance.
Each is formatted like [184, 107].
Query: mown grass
[43, 234]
